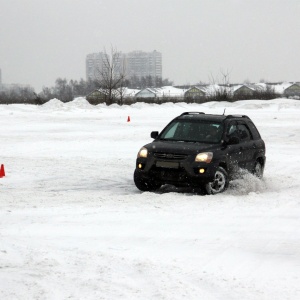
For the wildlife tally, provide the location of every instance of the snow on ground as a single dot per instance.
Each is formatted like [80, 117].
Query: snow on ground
[74, 226]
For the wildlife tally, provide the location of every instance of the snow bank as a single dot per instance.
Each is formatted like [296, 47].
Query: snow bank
[73, 225]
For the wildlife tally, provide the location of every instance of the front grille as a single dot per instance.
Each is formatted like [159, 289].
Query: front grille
[170, 156]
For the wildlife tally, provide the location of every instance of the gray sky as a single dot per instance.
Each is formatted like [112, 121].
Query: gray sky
[41, 40]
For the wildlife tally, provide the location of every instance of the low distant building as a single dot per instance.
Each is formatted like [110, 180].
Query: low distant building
[285, 89]
[204, 93]
[199, 94]
[172, 92]
[292, 90]
[96, 97]
[195, 93]
[165, 92]
[148, 93]
[242, 91]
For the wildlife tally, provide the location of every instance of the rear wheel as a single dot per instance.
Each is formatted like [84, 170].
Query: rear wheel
[145, 185]
[219, 184]
[258, 170]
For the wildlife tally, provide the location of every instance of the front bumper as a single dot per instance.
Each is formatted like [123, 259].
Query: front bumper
[177, 172]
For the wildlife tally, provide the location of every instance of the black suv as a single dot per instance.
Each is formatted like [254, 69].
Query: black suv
[200, 150]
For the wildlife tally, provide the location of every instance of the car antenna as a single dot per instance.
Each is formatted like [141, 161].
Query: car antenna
[224, 111]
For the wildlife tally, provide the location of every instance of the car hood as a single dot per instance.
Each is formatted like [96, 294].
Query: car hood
[180, 147]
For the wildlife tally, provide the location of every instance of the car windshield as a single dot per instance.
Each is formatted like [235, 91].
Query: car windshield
[193, 131]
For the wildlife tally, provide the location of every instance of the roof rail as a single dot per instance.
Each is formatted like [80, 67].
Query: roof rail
[192, 113]
[236, 116]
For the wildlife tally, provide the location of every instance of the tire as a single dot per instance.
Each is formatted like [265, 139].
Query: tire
[258, 170]
[219, 184]
[145, 185]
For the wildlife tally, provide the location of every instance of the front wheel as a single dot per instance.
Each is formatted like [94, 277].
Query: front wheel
[219, 184]
[145, 185]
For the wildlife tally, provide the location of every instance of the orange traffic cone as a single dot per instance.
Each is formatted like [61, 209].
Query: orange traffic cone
[128, 119]
[2, 172]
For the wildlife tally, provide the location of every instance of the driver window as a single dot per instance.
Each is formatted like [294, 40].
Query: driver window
[232, 130]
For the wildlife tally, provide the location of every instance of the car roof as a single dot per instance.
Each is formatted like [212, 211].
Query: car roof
[208, 117]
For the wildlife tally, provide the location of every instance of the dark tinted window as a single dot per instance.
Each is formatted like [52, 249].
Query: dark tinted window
[232, 130]
[244, 133]
[254, 130]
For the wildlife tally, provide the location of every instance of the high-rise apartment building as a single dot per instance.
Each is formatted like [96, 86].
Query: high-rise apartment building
[136, 63]
[143, 64]
[95, 63]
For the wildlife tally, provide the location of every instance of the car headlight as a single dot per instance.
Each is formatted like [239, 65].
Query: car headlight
[143, 152]
[204, 157]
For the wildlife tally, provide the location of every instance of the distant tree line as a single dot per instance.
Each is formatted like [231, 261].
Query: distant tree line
[66, 91]
[147, 82]
[19, 94]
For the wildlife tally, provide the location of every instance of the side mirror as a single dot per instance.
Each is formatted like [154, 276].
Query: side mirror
[233, 140]
[154, 134]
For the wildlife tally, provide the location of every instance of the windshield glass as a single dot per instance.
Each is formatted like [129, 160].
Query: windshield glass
[191, 131]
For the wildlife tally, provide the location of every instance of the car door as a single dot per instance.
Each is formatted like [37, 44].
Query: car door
[247, 146]
[234, 153]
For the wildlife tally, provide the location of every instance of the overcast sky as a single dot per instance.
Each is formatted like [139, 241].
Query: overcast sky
[41, 40]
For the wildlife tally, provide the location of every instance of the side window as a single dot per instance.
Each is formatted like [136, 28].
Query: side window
[232, 130]
[254, 131]
[170, 133]
[244, 133]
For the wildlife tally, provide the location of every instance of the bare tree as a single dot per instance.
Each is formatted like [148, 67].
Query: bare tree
[221, 89]
[111, 76]
[122, 86]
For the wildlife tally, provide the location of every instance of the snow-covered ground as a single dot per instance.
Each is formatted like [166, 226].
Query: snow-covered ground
[74, 226]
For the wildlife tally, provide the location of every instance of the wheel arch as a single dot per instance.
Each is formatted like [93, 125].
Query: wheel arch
[223, 164]
[261, 160]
